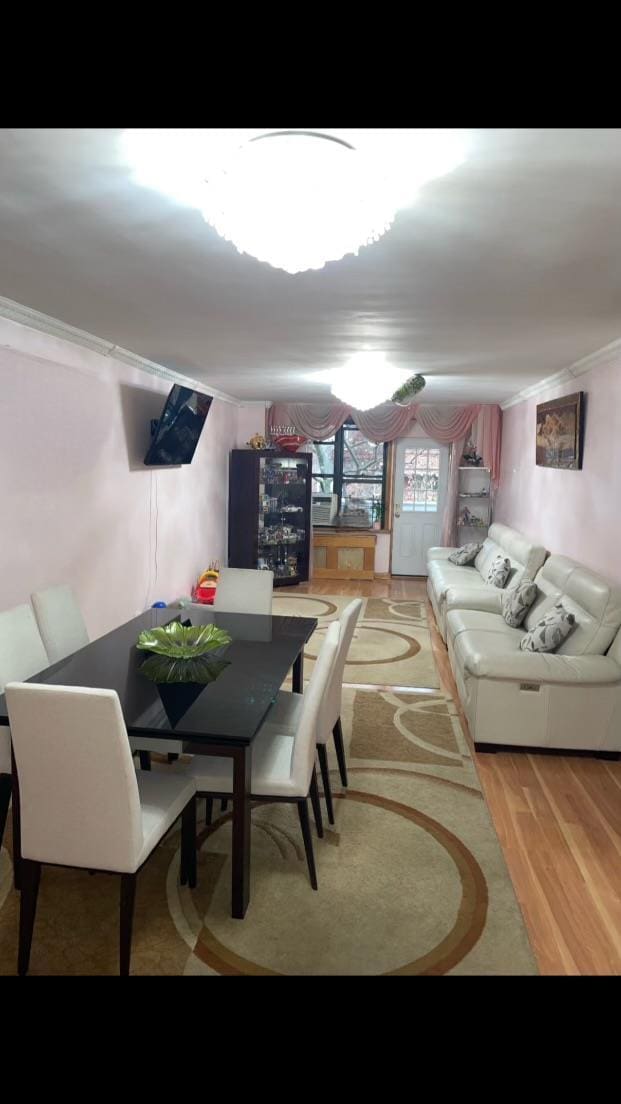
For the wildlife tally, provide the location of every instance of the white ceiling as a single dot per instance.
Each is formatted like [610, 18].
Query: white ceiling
[503, 272]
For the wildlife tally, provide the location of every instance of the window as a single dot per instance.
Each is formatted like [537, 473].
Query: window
[421, 480]
[353, 469]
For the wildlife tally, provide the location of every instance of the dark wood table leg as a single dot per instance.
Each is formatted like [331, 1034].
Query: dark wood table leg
[298, 674]
[17, 836]
[242, 760]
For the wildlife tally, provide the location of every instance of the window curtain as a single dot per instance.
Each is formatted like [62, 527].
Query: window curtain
[448, 425]
[318, 421]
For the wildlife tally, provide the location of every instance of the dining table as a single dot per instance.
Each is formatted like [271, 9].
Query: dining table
[221, 717]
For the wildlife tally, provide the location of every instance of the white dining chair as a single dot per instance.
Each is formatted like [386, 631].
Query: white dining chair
[284, 714]
[63, 632]
[82, 804]
[21, 655]
[244, 591]
[60, 621]
[283, 763]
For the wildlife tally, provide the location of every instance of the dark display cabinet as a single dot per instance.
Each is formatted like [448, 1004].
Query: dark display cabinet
[269, 513]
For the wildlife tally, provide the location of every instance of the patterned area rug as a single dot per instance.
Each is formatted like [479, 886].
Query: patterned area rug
[391, 645]
[411, 877]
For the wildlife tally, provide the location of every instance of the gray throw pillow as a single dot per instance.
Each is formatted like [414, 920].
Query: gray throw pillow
[467, 554]
[499, 572]
[549, 633]
[517, 602]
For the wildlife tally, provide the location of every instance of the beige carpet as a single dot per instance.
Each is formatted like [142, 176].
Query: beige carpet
[411, 877]
[391, 645]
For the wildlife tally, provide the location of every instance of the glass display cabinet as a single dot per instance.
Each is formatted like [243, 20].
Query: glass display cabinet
[270, 513]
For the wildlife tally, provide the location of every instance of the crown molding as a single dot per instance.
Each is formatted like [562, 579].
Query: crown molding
[601, 358]
[44, 323]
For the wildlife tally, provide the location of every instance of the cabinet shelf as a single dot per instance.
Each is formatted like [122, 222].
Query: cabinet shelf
[475, 499]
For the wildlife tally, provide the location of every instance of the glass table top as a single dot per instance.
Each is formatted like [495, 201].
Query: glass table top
[230, 708]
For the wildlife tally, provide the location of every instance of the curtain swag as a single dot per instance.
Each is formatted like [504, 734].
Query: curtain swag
[445, 424]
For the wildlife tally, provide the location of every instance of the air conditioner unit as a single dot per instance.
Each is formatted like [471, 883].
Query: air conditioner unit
[324, 509]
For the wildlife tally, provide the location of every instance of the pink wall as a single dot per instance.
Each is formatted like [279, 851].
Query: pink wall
[78, 505]
[573, 512]
[250, 420]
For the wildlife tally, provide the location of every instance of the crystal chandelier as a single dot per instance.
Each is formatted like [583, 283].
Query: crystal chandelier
[367, 379]
[295, 199]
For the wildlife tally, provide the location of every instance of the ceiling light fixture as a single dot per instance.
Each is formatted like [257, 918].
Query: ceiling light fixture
[367, 379]
[295, 199]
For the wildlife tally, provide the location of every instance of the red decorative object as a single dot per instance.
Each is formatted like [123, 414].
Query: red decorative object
[205, 595]
[289, 443]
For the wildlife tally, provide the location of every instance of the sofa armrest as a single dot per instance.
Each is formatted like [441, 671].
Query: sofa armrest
[487, 599]
[438, 553]
[591, 670]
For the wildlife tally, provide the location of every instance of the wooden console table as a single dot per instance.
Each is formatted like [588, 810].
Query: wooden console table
[346, 554]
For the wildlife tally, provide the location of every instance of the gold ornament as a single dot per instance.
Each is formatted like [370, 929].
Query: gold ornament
[257, 441]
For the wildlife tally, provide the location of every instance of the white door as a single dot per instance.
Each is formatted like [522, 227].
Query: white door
[421, 474]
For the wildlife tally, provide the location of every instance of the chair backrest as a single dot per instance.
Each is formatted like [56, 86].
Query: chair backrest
[242, 590]
[79, 800]
[332, 705]
[303, 757]
[60, 621]
[22, 653]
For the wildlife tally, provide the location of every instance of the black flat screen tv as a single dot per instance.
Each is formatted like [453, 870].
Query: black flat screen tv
[179, 427]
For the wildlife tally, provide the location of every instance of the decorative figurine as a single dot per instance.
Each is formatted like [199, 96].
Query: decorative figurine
[471, 457]
[257, 441]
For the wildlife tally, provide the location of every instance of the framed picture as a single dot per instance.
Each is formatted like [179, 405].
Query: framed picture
[560, 432]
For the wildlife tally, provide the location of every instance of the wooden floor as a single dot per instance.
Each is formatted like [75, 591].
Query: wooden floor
[558, 819]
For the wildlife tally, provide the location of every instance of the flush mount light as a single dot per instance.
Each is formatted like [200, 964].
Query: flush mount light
[366, 380]
[294, 198]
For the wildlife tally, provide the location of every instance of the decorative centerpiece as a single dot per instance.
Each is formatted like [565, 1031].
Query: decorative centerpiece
[183, 653]
[287, 438]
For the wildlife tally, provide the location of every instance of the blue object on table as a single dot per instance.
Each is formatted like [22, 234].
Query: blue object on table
[159, 605]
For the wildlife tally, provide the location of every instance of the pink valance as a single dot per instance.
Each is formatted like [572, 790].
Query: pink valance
[318, 421]
[445, 424]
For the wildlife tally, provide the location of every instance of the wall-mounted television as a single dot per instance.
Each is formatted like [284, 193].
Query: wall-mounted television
[176, 434]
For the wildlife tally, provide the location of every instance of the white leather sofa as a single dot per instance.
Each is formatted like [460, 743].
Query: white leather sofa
[570, 698]
[453, 587]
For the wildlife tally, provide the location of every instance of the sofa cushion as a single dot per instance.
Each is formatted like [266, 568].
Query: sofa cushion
[484, 598]
[465, 555]
[594, 601]
[526, 558]
[460, 620]
[512, 665]
[549, 633]
[596, 604]
[444, 575]
[438, 552]
[499, 571]
[517, 601]
[470, 648]
[551, 580]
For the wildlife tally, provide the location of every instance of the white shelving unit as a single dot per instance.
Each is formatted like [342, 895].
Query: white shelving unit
[474, 513]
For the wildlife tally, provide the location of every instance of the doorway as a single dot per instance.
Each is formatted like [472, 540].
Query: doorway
[421, 476]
